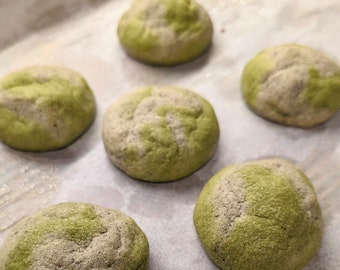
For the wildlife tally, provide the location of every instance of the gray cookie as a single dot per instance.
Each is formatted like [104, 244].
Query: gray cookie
[77, 236]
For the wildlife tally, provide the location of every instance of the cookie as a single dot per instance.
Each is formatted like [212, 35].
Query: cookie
[259, 215]
[44, 108]
[75, 236]
[292, 85]
[165, 32]
[160, 134]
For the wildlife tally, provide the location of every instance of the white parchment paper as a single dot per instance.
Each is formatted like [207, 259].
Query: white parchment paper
[81, 35]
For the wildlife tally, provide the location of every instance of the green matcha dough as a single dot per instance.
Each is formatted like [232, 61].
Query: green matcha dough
[160, 134]
[165, 32]
[77, 236]
[292, 85]
[259, 215]
[44, 108]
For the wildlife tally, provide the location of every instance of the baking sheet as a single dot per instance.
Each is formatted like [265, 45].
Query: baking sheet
[81, 35]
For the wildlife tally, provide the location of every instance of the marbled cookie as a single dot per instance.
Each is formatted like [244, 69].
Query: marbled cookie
[77, 236]
[44, 108]
[293, 85]
[160, 134]
[259, 215]
[165, 32]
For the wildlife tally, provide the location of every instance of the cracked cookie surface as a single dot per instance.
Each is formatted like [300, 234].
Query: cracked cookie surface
[75, 236]
[259, 215]
[44, 108]
[165, 32]
[160, 134]
[292, 85]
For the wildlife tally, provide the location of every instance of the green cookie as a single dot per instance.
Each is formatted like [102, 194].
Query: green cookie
[292, 85]
[165, 32]
[44, 108]
[259, 215]
[160, 134]
[77, 236]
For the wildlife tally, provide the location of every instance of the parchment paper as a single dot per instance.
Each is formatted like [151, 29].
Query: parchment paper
[81, 35]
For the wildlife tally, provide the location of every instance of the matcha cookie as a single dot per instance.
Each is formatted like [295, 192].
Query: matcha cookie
[160, 134]
[77, 236]
[292, 85]
[44, 108]
[165, 32]
[259, 215]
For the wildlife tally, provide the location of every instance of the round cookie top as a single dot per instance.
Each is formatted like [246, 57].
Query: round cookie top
[165, 32]
[292, 85]
[44, 108]
[160, 134]
[259, 215]
[75, 236]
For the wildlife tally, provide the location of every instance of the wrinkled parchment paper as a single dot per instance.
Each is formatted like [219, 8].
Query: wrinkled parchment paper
[81, 35]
